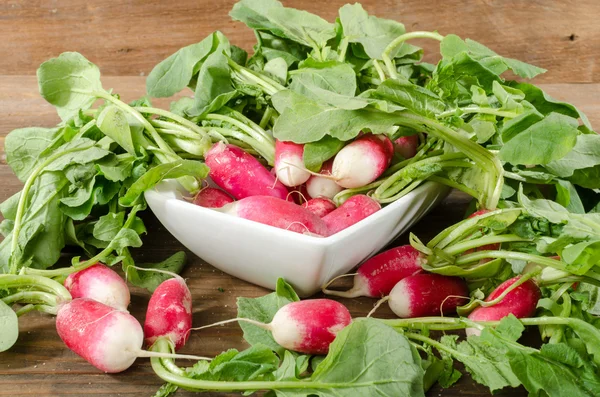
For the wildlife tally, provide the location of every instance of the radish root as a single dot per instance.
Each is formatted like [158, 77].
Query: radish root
[379, 303]
[351, 293]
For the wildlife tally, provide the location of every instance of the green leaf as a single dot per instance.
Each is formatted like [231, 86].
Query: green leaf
[25, 146]
[214, 87]
[108, 226]
[585, 154]
[151, 280]
[175, 72]
[42, 232]
[117, 168]
[79, 151]
[372, 34]
[277, 68]
[300, 26]
[410, 96]
[303, 120]
[113, 122]
[9, 324]
[567, 196]
[263, 309]
[153, 176]
[233, 366]
[316, 153]
[166, 390]
[581, 257]
[543, 142]
[370, 358]
[322, 80]
[70, 83]
[545, 104]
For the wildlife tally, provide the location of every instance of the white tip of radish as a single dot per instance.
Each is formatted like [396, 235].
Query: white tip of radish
[317, 186]
[362, 161]
[473, 332]
[289, 332]
[401, 304]
[289, 164]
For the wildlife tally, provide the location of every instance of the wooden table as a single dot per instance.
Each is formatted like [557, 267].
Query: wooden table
[126, 38]
[39, 364]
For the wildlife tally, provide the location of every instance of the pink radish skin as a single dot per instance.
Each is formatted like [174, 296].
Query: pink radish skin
[289, 165]
[278, 213]
[318, 186]
[378, 275]
[320, 206]
[406, 146]
[353, 210]
[100, 283]
[169, 313]
[211, 197]
[107, 338]
[362, 161]
[424, 294]
[520, 302]
[240, 174]
[307, 326]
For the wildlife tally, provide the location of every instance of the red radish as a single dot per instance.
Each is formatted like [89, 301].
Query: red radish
[100, 283]
[362, 161]
[320, 206]
[211, 197]
[353, 210]
[520, 302]
[289, 165]
[307, 326]
[107, 338]
[240, 174]
[425, 294]
[406, 146]
[378, 275]
[279, 213]
[323, 186]
[169, 313]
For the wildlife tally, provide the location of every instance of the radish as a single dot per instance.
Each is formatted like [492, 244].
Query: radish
[100, 283]
[520, 302]
[353, 210]
[307, 326]
[169, 313]
[378, 275]
[278, 213]
[406, 146]
[211, 197]
[362, 161]
[426, 294]
[289, 165]
[107, 338]
[323, 186]
[240, 174]
[320, 206]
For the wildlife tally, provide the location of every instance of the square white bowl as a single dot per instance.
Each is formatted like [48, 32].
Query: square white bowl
[261, 254]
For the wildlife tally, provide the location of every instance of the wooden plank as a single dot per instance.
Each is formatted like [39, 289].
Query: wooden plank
[39, 364]
[130, 37]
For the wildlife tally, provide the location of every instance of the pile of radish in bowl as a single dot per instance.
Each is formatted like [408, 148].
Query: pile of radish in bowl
[323, 223]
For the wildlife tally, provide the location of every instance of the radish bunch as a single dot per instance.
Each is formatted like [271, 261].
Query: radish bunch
[248, 189]
[96, 325]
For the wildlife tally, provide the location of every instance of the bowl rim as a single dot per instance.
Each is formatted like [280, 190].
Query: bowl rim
[171, 195]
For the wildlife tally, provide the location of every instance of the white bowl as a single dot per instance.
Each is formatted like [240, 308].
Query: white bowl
[261, 254]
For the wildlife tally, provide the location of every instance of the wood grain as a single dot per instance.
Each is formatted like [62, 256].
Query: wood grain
[129, 37]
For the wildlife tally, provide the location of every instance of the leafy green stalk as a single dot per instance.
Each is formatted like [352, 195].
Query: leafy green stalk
[25, 195]
[392, 47]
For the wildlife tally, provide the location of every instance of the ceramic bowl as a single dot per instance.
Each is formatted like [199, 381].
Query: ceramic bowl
[261, 254]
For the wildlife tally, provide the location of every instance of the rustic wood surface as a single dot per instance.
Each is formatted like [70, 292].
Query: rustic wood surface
[39, 364]
[126, 38]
